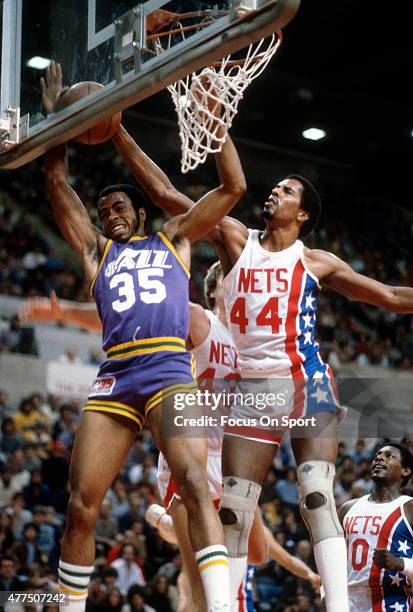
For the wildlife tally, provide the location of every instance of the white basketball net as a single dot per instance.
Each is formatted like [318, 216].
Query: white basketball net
[197, 96]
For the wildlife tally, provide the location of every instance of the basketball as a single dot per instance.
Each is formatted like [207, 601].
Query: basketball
[102, 131]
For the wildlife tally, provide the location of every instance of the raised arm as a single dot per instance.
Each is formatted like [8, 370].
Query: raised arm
[229, 235]
[335, 274]
[202, 217]
[290, 563]
[70, 214]
[149, 176]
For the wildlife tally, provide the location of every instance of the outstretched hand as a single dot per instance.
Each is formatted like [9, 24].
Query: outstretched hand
[385, 560]
[51, 87]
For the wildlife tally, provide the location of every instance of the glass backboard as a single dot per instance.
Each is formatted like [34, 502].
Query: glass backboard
[117, 43]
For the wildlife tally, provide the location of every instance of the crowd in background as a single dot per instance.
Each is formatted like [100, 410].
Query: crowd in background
[134, 567]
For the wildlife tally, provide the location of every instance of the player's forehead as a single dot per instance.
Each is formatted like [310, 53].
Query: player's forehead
[294, 185]
[113, 198]
[390, 451]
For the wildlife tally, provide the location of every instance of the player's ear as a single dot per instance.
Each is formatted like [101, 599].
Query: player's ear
[406, 471]
[303, 215]
[142, 215]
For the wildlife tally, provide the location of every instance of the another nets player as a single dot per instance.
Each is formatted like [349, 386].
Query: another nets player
[379, 534]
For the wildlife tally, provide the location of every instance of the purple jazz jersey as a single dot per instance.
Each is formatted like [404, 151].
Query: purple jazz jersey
[141, 291]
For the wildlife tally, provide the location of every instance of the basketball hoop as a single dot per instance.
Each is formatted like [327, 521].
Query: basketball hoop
[206, 101]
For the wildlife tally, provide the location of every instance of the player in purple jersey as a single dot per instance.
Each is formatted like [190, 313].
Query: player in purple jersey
[271, 284]
[379, 535]
[140, 283]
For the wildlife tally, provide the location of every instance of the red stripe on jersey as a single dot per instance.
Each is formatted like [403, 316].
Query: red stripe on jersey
[291, 338]
[171, 491]
[382, 542]
[241, 598]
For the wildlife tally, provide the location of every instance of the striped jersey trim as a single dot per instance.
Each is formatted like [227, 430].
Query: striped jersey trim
[171, 247]
[134, 238]
[115, 408]
[105, 252]
[146, 345]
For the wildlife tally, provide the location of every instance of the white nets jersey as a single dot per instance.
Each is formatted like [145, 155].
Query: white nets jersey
[216, 357]
[367, 526]
[216, 360]
[271, 301]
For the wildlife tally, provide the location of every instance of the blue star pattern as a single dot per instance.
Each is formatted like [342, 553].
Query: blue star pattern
[319, 390]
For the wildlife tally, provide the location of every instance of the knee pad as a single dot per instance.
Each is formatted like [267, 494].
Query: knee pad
[238, 503]
[317, 505]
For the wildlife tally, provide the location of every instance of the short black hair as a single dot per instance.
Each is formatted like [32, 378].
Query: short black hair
[138, 198]
[210, 283]
[310, 202]
[406, 458]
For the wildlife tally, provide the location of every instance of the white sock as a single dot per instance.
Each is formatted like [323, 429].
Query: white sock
[331, 559]
[74, 582]
[157, 516]
[213, 567]
[237, 572]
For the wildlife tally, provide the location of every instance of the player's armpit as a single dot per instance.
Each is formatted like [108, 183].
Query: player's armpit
[342, 511]
[199, 325]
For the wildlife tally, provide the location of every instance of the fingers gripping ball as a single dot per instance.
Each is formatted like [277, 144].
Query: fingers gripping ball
[205, 95]
[102, 131]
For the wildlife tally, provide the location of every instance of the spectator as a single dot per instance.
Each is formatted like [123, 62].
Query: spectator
[136, 601]
[109, 578]
[6, 410]
[111, 600]
[129, 572]
[46, 533]
[287, 489]
[161, 596]
[8, 485]
[8, 574]
[6, 533]
[37, 493]
[18, 513]
[27, 551]
[118, 497]
[18, 339]
[106, 526]
[70, 356]
[10, 439]
[26, 420]
[171, 569]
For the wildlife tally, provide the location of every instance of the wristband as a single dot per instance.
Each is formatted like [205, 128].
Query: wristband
[408, 567]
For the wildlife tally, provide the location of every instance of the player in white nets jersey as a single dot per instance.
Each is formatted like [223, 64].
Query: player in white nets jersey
[379, 534]
[216, 360]
[271, 287]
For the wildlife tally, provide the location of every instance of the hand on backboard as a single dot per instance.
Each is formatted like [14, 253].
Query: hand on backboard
[51, 87]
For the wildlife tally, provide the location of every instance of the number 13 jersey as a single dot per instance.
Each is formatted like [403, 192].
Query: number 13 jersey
[141, 291]
[271, 300]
